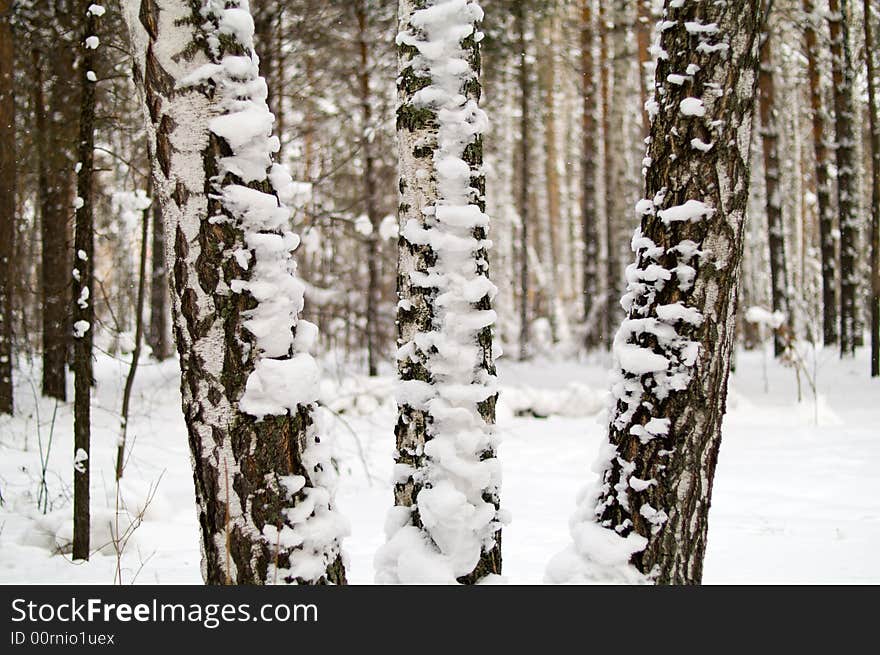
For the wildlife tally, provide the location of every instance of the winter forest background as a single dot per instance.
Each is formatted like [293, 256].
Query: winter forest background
[479, 246]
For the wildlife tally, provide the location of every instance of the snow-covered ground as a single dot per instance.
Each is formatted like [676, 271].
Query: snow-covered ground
[797, 491]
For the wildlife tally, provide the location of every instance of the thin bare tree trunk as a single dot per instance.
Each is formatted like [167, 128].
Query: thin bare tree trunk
[8, 176]
[83, 287]
[874, 121]
[157, 337]
[54, 204]
[847, 180]
[370, 189]
[524, 181]
[551, 179]
[605, 74]
[773, 201]
[828, 248]
[138, 332]
[589, 164]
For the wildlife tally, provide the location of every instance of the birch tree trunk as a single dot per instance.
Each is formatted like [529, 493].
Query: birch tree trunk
[446, 524]
[7, 203]
[847, 180]
[773, 201]
[263, 476]
[647, 521]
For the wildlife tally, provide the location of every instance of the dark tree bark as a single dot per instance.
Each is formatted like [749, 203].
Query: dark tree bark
[643, 37]
[551, 253]
[8, 176]
[445, 315]
[874, 121]
[54, 209]
[589, 161]
[373, 242]
[158, 333]
[606, 72]
[847, 180]
[773, 201]
[521, 26]
[823, 179]
[261, 469]
[674, 348]
[83, 289]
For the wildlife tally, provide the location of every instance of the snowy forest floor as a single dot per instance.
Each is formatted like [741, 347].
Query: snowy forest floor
[796, 500]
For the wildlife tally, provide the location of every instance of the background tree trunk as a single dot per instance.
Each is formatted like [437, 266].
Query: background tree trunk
[874, 121]
[847, 181]
[524, 181]
[773, 200]
[589, 164]
[83, 287]
[55, 211]
[8, 174]
[373, 242]
[823, 180]
[158, 334]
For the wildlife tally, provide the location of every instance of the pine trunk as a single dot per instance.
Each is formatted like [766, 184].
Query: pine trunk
[370, 188]
[262, 470]
[773, 201]
[8, 176]
[54, 209]
[874, 122]
[847, 180]
[643, 36]
[83, 289]
[445, 526]
[823, 179]
[524, 182]
[552, 184]
[589, 160]
[648, 519]
[606, 72]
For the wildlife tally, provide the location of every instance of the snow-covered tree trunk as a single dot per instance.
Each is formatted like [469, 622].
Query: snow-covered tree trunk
[647, 521]
[263, 475]
[83, 281]
[773, 200]
[824, 184]
[7, 202]
[445, 525]
[847, 178]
